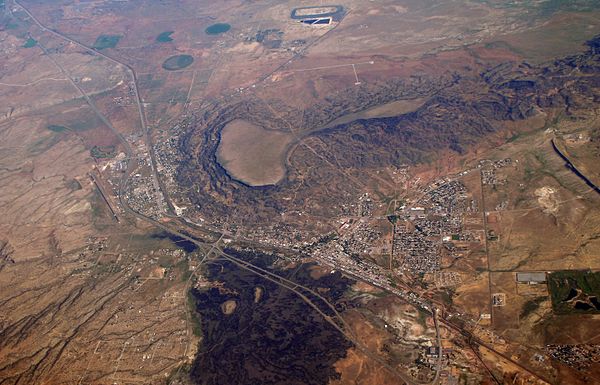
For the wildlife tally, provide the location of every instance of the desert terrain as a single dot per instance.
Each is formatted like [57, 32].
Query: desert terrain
[386, 192]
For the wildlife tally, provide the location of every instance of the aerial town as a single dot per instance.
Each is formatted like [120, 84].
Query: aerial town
[199, 192]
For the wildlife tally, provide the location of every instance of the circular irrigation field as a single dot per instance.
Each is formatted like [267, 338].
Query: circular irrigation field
[218, 28]
[177, 62]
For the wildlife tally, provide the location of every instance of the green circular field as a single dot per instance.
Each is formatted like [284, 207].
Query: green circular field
[177, 62]
[218, 28]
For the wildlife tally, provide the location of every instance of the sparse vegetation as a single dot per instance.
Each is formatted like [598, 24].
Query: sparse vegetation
[57, 128]
[196, 325]
[531, 306]
[165, 261]
[165, 37]
[218, 28]
[567, 287]
[446, 297]
[43, 144]
[422, 318]
[106, 41]
[178, 62]
[103, 152]
[85, 124]
[184, 267]
[31, 42]
[74, 185]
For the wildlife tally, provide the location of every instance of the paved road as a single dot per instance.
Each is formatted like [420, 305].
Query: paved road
[438, 365]
[477, 341]
[140, 106]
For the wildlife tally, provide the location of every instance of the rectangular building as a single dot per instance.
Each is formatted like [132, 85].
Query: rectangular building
[531, 278]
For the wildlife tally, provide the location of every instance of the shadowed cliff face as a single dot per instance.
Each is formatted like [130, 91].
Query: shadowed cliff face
[461, 116]
[445, 122]
[272, 336]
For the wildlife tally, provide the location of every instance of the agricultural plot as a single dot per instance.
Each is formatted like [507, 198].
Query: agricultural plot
[106, 41]
[178, 62]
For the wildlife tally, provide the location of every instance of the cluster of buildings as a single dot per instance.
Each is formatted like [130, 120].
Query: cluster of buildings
[330, 251]
[446, 279]
[359, 240]
[501, 206]
[362, 207]
[143, 197]
[579, 357]
[278, 234]
[418, 254]
[94, 245]
[446, 199]
[122, 101]
[435, 221]
[488, 171]
[165, 151]
[142, 192]
[98, 259]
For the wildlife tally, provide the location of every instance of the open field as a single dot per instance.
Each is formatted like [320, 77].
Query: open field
[106, 41]
[177, 62]
[542, 44]
[252, 154]
[536, 228]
